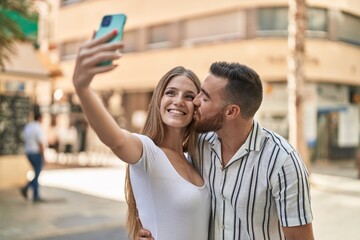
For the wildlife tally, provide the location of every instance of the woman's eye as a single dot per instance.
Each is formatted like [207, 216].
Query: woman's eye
[169, 93]
[190, 97]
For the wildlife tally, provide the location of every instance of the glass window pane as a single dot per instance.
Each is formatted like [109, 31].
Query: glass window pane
[69, 2]
[69, 50]
[228, 25]
[317, 19]
[272, 21]
[349, 29]
[159, 36]
[129, 39]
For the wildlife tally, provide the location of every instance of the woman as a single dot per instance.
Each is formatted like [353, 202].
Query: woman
[163, 188]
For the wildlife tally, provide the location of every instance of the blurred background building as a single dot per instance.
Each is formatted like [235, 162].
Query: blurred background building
[161, 34]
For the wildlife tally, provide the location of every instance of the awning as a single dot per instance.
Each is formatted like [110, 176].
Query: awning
[27, 25]
[27, 62]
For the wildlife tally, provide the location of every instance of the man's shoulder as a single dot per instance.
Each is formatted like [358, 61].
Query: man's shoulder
[30, 125]
[286, 156]
[278, 140]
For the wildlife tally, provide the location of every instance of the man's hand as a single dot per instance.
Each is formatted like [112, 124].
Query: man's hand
[144, 234]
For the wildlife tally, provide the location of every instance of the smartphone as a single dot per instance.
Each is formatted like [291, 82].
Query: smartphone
[108, 24]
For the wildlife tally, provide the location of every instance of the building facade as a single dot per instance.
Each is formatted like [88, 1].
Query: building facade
[25, 81]
[161, 34]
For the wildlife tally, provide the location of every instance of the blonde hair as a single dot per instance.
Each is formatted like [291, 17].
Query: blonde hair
[154, 129]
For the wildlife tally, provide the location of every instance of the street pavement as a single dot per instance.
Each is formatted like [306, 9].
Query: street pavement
[88, 204]
[80, 203]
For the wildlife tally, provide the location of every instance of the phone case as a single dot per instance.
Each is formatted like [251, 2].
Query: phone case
[108, 24]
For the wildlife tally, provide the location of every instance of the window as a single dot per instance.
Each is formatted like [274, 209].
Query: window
[159, 37]
[349, 29]
[317, 21]
[69, 2]
[130, 40]
[69, 50]
[272, 21]
[211, 28]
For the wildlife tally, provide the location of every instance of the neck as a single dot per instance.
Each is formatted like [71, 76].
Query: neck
[233, 135]
[173, 140]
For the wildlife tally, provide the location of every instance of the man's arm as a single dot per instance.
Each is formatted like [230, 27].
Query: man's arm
[292, 195]
[144, 234]
[41, 143]
[42, 151]
[304, 232]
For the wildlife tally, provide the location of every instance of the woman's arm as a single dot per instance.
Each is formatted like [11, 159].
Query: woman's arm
[126, 146]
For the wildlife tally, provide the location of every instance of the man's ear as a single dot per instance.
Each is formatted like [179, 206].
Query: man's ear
[232, 111]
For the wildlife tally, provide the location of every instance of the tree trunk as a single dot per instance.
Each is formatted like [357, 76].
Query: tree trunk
[296, 45]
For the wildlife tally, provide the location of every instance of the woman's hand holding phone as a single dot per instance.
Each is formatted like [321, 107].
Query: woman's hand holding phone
[90, 56]
[110, 23]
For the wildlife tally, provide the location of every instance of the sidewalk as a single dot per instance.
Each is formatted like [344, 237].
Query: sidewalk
[66, 212]
[340, 176]
[88, 203]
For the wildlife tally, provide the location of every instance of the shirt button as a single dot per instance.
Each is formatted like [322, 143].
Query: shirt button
[222, 227]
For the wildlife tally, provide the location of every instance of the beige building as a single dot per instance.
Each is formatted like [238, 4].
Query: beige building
[161, 34]
[26, 79]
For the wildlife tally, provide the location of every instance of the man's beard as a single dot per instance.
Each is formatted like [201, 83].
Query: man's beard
[211, 124]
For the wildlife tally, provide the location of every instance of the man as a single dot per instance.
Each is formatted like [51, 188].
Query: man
[34, 139]
[258, 182]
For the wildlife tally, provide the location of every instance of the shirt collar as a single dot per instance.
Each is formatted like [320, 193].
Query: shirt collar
[211, 137]
[252, 143]
[255, 138]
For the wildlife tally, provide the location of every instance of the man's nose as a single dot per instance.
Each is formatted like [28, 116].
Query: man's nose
[196, 101]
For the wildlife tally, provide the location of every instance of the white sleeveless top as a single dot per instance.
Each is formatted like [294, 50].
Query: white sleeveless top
[168, 205]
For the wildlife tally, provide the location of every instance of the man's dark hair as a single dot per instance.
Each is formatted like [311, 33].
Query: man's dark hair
[244, 87]
[37, 115]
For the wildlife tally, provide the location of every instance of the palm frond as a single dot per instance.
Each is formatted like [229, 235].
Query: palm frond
[10, 30]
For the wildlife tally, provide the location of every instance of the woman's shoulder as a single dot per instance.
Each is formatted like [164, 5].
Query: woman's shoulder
[146, 141]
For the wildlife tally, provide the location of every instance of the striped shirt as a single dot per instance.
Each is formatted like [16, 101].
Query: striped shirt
[263, 187]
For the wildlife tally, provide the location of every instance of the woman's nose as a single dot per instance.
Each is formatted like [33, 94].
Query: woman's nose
[179, 101]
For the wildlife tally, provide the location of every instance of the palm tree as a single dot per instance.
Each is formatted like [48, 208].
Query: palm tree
[10, 30]
[296, 45]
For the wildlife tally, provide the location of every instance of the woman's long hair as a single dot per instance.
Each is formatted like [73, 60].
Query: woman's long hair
[154, 128]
